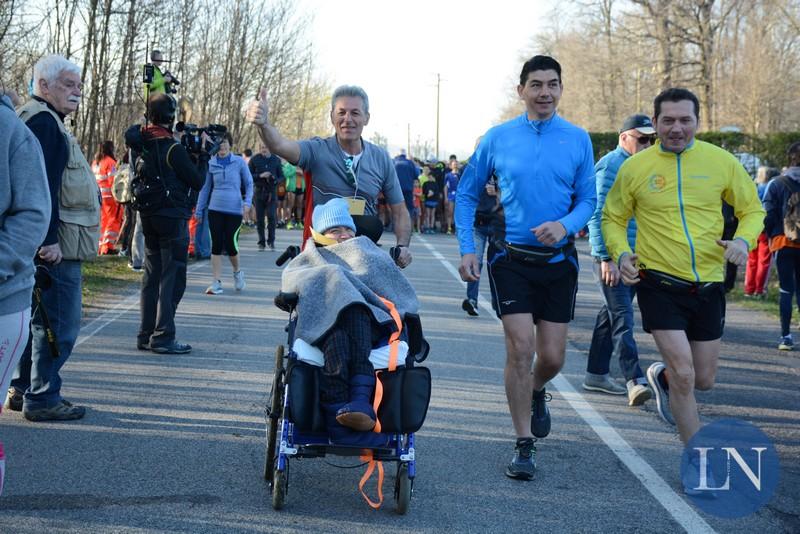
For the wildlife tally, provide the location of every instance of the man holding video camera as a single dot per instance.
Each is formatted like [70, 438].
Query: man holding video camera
[166, 165]
[156, 81]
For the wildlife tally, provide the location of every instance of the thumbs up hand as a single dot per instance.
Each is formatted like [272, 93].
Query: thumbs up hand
[258, 110]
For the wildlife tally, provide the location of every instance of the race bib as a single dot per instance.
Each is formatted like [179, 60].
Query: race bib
[356, 206]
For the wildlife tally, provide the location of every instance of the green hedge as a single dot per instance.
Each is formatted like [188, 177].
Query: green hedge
[769, 148]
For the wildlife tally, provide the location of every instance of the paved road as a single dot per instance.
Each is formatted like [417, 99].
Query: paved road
[176, 443]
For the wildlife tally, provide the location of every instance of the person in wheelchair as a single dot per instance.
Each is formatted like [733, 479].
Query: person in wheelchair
[342, 283]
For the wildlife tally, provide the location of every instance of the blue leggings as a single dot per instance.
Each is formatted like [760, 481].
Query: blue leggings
[787, 261]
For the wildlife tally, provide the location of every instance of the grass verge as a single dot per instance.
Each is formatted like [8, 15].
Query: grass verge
[768, 305]
[107, 275]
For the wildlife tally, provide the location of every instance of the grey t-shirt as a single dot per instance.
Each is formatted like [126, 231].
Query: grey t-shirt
[329, 178]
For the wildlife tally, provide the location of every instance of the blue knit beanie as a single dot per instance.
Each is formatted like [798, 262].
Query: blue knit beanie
[333, 213]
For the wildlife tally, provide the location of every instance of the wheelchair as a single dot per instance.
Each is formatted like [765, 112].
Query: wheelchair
[295, 424]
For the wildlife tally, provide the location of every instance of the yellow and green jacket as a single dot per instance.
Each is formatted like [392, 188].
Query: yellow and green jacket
[676, 201]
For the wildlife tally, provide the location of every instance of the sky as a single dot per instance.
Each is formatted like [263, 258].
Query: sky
[394, 50]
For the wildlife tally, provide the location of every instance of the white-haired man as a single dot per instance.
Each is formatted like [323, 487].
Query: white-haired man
[71, 238]
[344, 165]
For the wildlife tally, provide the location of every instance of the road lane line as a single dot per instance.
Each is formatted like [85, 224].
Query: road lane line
[682, 512]
[109, 316]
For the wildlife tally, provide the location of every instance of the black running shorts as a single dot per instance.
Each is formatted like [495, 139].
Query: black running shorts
[700, 315]
[546, 291]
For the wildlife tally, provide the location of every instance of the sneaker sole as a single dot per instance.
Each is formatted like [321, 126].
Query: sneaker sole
[357, 421]
[643, 396]
[541, 432]
[785, 347]
[162, 350]
[210, 292]
[654, 385]
[53, 416]
[603, 390]
[518, 475]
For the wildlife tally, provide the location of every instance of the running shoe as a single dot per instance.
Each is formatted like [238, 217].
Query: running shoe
[786, 343]
[238, 280]
[63, 411]
[603, 384]
[14, 400]
[658, 383]
[215, 288]
[638, 393]
[693, 486]
[470, 306]
[540, 413]
[523, 464]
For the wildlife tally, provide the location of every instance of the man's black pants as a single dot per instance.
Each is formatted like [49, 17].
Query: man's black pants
[128, 226]
[264, 201]
[166, 244]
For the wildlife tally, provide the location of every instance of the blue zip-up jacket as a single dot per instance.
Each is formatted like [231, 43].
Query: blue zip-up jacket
[605, 172]
[225, 183]
[545, 172]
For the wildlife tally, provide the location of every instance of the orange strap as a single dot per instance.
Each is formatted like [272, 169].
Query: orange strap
[394, 348]
[367, 475]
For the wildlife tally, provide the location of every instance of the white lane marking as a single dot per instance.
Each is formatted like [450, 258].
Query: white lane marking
[109, 316]
[683, 514]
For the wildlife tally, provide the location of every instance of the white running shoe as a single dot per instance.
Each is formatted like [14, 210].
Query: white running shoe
[215, 288]
[238, 280]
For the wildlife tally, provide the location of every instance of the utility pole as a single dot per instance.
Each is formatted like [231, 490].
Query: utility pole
[438, 85]
[408, 139]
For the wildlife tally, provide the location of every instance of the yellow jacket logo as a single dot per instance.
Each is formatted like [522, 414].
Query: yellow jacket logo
[657, 183]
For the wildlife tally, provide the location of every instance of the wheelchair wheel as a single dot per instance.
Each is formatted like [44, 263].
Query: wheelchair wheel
[275, 409]
[402, 489]
[280, 486]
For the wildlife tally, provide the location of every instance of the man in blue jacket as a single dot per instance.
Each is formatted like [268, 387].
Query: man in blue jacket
[545, 169]
[613, 330]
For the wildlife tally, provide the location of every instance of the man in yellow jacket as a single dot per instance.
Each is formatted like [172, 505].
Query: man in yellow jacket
[675, 191]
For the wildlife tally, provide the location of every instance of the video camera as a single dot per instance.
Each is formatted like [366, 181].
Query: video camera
[148, 76]
[192, 137]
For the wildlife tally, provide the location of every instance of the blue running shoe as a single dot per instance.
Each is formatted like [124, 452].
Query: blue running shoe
[658, 383]
[540, 414]
[523, 464]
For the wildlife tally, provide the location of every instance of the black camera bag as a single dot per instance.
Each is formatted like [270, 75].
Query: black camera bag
[149, 192]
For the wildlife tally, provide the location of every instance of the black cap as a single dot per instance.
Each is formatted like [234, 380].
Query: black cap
[640, 123]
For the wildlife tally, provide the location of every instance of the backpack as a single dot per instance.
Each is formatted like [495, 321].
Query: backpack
[121, 190]
[149, 192]
[791, 215]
